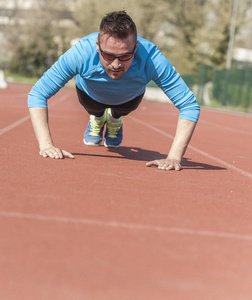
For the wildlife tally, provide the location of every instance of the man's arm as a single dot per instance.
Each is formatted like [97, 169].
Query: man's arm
[184, 132]
[39, 118]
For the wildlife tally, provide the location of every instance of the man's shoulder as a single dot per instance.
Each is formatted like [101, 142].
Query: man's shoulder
[146, 45]
[89, 38]
[145, 42]
[146, 49]
[87, 43]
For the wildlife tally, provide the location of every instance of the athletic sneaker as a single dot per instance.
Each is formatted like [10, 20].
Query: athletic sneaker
[114, 131]
[94, 131]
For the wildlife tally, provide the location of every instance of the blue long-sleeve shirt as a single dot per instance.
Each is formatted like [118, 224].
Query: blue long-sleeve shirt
[82, 60]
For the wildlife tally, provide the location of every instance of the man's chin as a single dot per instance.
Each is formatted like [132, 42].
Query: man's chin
[115, 75]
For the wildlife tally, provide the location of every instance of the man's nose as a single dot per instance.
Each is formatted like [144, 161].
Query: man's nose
[116, 63]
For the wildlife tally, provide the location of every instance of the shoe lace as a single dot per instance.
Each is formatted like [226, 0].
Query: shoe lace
[96, 126]
[113, 128]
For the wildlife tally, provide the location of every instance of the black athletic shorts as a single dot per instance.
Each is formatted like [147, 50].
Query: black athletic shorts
[97, 109]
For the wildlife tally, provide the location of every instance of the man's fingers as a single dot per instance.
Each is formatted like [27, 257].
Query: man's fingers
[43, 154]
[67, 154]
[152, 163]
[165, 164]
[178, 167]
[55, 153]
[51, 154]
[174, 166]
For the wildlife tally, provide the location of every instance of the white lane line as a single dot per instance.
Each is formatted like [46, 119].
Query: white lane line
[59, 100]
[22, 120]
[220, 161]
[225, 128]
[14, 125]
[175, 230]
[242, 172]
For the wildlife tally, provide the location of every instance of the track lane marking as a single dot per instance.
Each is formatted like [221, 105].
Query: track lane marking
[216, 159]
[225, 128]
[64, 97]
[113, 224]
[14, 125]
[22, 120]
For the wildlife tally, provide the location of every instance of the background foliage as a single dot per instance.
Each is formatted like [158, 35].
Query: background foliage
[188, 32]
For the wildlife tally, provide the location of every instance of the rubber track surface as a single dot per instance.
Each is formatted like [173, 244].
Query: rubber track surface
[105, 227]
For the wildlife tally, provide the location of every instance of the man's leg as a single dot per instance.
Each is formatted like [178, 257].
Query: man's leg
[124, 109]
[94, 132]
[114, 131]
[91, 106]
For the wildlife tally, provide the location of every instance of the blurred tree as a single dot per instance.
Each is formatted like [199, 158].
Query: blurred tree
[186, 18]
[194, 32]
[188, 32]
[37, 39]
[148, 17]
[88, 14]
[220, 29]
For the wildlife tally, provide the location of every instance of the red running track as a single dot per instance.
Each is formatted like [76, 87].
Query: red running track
[103, 226]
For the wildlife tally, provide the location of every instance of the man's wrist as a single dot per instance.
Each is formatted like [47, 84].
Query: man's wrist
[45, 145]
[174, 157]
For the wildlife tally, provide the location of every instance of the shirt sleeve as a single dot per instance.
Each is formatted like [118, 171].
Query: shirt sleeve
[165, 76]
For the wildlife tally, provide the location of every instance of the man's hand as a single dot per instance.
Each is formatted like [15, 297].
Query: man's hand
[39, 118]
[181, 140]
[165, 164]
[54, 152]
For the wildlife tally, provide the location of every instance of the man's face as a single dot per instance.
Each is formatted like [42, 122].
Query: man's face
[115, 68]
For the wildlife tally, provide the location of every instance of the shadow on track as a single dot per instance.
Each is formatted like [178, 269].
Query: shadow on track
[139, 154]
[188, 164]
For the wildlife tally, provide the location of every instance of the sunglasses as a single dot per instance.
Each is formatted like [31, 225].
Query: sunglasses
[121, 57]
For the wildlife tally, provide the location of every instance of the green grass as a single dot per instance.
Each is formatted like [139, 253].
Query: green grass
[152, 84]
[17, 78]
[217, 104]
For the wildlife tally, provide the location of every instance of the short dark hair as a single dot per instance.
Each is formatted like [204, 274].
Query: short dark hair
[118, 24]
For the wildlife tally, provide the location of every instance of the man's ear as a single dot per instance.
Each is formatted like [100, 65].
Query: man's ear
[97, 45]
[136, 46]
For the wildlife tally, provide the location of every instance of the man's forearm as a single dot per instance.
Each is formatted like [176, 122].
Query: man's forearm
[39, 118]
[184, 132]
